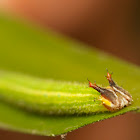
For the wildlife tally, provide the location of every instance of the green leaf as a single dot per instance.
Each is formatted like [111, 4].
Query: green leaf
[27, 50]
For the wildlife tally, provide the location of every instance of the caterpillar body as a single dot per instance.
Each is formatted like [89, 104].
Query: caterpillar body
[60, 98]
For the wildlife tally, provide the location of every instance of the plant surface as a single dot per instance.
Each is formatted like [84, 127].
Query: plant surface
[43, 81]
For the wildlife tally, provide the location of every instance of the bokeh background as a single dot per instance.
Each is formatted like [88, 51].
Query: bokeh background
[110, 26]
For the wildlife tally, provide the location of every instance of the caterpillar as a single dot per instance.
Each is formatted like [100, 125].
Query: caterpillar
[54, 97]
